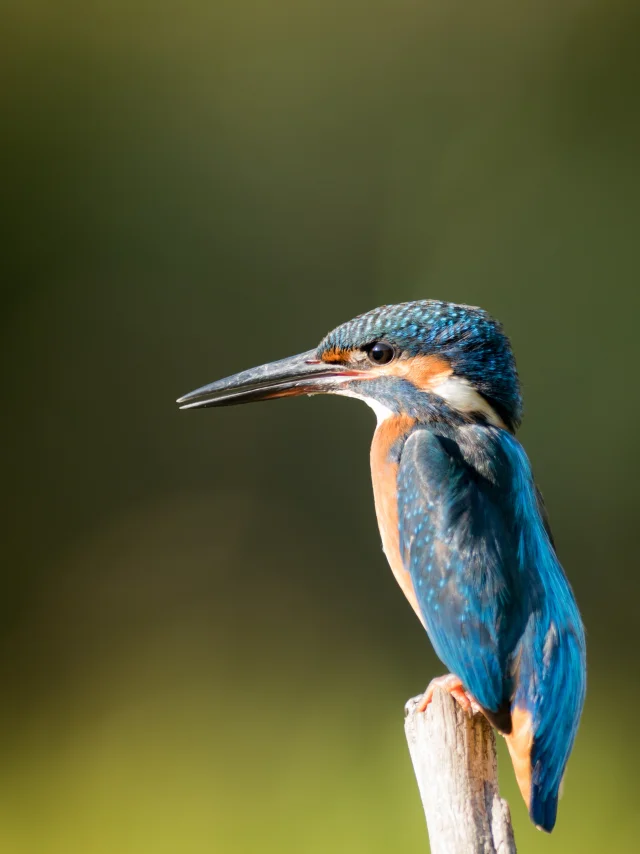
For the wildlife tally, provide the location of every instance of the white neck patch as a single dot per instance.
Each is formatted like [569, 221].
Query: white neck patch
[382, 412]
[461, 395]
[456, 391]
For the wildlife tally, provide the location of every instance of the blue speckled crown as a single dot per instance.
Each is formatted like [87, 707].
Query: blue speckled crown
[468, 337]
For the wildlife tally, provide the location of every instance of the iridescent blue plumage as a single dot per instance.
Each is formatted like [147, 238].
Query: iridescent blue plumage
[552, 674]
[468, 337]
[457, 539]
[462, 522]
[497, 606]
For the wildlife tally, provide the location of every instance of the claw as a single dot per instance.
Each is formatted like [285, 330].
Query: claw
[452, 685]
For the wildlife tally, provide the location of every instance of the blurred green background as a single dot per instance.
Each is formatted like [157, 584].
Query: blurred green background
[201, 646]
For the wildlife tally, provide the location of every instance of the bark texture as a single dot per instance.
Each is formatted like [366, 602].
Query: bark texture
[454, 759]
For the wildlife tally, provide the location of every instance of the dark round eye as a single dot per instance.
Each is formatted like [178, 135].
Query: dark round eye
[381, 353]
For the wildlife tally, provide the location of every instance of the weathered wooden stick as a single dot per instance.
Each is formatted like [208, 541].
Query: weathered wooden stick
[454, 758]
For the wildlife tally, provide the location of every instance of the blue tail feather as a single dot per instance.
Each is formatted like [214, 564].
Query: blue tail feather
[552, 674]
[555, 690]
[543, 809]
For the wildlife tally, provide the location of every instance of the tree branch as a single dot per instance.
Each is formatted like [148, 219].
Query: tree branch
[454, 759]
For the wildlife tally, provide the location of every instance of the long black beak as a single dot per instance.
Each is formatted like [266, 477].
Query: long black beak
[302, 374]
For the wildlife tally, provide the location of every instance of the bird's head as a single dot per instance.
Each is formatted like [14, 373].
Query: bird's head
[427, 359]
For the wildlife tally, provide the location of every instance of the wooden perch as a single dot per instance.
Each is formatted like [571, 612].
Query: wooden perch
[454, 758]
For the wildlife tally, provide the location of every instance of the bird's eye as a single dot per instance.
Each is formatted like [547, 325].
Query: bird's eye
[381, 353]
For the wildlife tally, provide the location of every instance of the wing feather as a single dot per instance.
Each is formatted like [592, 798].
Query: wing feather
[497, 606]
[458, 543]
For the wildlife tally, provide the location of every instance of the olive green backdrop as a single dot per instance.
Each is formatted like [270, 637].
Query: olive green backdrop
[201, 646]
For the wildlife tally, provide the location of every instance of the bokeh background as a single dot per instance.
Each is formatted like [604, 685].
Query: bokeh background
[201, 646]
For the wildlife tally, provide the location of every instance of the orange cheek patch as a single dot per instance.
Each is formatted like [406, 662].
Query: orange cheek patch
[425, 372]
[336, 354]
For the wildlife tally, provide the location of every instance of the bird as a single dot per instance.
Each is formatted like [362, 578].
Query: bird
[462, 521]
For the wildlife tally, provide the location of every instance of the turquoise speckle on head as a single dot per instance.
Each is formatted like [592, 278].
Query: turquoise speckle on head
[466, 336]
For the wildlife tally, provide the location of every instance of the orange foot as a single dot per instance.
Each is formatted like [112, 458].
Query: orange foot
[452, 685]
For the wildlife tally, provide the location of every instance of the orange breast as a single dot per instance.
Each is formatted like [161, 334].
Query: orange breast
[384, 473]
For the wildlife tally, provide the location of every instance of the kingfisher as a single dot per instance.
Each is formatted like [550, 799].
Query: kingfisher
[462, 522]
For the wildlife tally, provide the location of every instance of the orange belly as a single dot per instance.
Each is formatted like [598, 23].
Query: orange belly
[520, 743]
[384, 473]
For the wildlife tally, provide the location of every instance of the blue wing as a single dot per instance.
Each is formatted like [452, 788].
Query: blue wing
[497, 605]
[552, 671]
[458, 543]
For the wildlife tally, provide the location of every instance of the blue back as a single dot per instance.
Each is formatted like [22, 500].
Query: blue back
[496, 603]
[553, 671]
